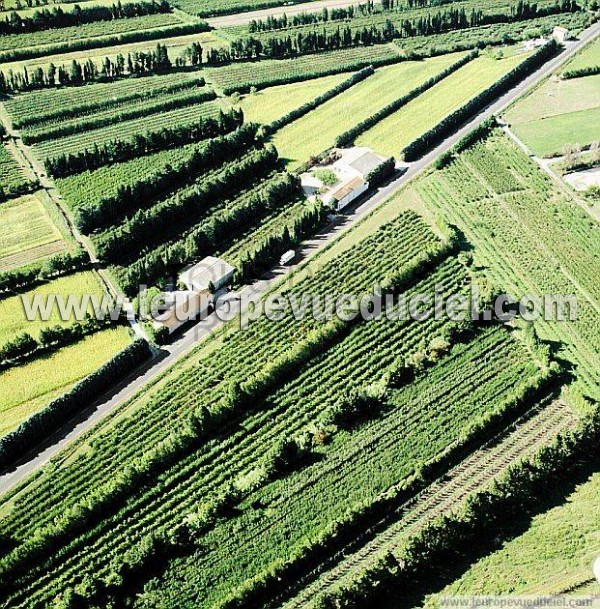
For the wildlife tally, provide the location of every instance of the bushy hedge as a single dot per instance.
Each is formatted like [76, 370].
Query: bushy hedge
[346, 138]
[580, 72]
[33, 274]
[381, 172]
[521, 491]
[475, 135]
[50, 339]
[40, 425]
[170, 216]
[320, 99]
[432, 137]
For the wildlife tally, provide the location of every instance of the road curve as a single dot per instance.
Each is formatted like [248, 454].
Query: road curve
[186, 341]
[278, 11]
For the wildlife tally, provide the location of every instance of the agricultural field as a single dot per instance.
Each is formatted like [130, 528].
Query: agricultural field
[272, 103]
[246, 464]
[14, 179]
[392, 134]
[175, 44]
[242, 76]
[12, 312]
[78, 142]
[356, 104]
[554, 556]
[30, 386]
[557, 114]
[588, 58]
[28, 233]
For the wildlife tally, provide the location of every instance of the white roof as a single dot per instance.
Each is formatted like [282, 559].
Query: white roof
[208, 270]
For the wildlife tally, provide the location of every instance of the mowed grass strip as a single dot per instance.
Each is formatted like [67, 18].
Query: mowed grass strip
[127, 130]
[547, 137]
[13, 319]
[556, 97]
[28, 388]
[27, 233]
[555, 554]
[392, 134]
[274, 102]
[316, 131]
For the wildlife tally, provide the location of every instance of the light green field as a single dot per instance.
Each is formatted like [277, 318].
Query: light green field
[28, 388]
[12, 314]
[555, 97]
[392, 134]
[588, 58]
[316, 131]
[547, 137]
[559, 112]
[554, 556]
[27, 233]
[274, 102]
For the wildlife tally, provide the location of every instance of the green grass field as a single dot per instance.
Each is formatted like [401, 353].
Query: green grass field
[12, 314]
[554, 556]
[556, 97]
[28, 388]
[272, 103]
[588, 58]
[393, 133]
[27, 233]
[547, 137]
[557, 113]
[316, 131]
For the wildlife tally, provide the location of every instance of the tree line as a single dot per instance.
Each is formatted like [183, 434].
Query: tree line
[287, 44]
[169, 217]
[129, 198]
[45, 19]
[211, 234]
[451, 122]
[141, 144]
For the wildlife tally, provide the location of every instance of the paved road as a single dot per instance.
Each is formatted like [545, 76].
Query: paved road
[188, 339]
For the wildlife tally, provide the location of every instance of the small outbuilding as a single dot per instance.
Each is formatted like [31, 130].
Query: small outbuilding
[183, 306]
[209, 271]
[561, 34]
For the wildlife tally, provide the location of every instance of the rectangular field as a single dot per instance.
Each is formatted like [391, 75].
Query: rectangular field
[13, 320]
[272, 103]
[127, 130]
[392, 134]
[553, 557]
[27, 233]
[13, 177]
[27, 388]
[589, 57]
[243, 75]
[86, 31]
[317, 130]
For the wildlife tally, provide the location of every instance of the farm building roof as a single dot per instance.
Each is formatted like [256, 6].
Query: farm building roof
[347, 188]
[207, 271]
[366, 162]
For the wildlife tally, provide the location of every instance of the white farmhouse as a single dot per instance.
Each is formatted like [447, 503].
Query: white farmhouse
[352, 169]
[182, 306]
